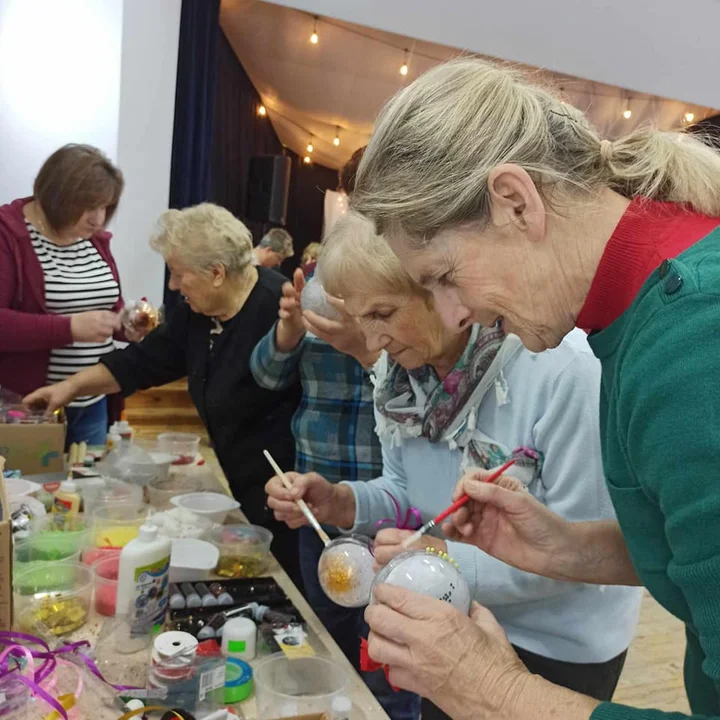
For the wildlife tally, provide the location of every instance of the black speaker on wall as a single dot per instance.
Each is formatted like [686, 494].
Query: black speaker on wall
[267, 193]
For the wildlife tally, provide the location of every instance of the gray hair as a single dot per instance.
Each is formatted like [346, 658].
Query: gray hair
[436, 141]
[279, 241]
[204, 236]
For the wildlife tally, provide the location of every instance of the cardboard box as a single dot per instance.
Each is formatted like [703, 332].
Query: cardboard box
[6, 593]
[33, 449]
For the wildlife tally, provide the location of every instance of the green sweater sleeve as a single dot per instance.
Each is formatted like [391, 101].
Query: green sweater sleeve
[669, 420]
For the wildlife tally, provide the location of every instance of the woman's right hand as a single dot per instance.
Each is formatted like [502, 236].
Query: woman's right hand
[505, 521]
[95, 326]
[329, 503]
[51, 397]
[290, 329]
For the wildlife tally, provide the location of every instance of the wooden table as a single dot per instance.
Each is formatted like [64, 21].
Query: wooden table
[131, 669]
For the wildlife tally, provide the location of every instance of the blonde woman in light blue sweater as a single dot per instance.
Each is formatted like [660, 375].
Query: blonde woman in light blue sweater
[446, 401]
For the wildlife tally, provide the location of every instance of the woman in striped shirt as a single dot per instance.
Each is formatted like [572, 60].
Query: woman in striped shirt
[59, 285]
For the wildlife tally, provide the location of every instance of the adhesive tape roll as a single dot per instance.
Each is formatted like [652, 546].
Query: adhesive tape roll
[238, 681]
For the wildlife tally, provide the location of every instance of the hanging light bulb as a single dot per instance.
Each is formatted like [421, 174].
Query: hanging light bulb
[689, 117]
[336, 141]
[310, 147]
[404, 66]
[314, 37]
[627, 114]
[262, 111]
[307, 160]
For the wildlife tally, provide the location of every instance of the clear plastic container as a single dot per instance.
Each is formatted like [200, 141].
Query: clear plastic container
[114, 526]
[244, 550]
[161, 490]
[210, 505]
[183, 445]
[427, 573]
[106, 583]
[289, 688]
[97, 492]
[55, 595]
[346, 570]
[54, 537]
[130, 463]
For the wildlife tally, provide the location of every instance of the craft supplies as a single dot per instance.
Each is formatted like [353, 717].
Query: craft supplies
[182, 523]
[314, 298]
[114, 526]
[122, 429]
[140, 317]
[427, 572]
[211, 506]
[67, 499]
[290, 688]
[239, 638]
[143, 579]
[223, 597]
[192, 598]
[340, 708]
[53, 538]
[302, 505]
[176, 600]
[192, 560]
[213, 628]
[55, 596]
[244, 550]
[106, 572]
[163, 488]
[184, 446]
[172, 654]
[449, 511]
[346, 570]
[238, 681]
[208, 599]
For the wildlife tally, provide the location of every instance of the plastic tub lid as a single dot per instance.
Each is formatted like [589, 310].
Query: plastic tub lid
[189, 553]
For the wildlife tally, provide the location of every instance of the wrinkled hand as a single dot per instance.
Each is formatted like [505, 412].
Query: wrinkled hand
[465, 665]
[291, 329]
[505, 521]
[388, 544]
[51, 397]
[345, 335]
[327, 502]
[95, 326]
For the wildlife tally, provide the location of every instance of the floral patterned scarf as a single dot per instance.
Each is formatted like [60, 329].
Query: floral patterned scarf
[416, 403]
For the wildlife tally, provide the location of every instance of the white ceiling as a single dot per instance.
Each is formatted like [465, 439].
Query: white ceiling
[343, 81]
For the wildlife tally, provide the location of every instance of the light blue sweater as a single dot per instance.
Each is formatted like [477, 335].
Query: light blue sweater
[547, 401]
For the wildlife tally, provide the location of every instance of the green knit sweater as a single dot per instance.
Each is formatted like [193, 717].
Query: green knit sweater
[660, 420]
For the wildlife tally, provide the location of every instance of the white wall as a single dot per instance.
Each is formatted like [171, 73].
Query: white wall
[100, 72]
[59, 82]
[147, 106]
[655, 46]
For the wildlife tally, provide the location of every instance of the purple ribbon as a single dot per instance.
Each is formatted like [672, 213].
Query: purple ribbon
[16, 645]
[411, 521]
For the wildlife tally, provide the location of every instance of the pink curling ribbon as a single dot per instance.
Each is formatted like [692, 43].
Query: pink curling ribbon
[411, 521]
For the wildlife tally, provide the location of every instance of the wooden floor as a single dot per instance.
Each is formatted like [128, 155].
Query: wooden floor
[653, 672]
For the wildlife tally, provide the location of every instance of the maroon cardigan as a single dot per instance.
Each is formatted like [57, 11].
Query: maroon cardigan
[27, 331]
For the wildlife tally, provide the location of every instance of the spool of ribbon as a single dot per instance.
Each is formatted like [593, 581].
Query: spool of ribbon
[411, 521]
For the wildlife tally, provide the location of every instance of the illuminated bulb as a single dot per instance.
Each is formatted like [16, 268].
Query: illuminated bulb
[689, 117]
[336, 141]
[627, 114]
[310, 147]
[262, 111]
[403, 69]
[307, 160]
[314, 37]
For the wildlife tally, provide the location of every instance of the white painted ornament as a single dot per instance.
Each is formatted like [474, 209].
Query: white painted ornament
[427, 572]
[314, 298]
[345, 570]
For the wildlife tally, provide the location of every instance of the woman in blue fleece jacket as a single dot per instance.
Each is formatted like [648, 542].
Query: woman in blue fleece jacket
[447, 401]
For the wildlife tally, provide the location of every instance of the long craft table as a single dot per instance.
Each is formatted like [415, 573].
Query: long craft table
[131, 670]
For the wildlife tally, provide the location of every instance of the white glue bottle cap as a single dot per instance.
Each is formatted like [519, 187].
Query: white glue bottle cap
[147, 533]
[68, 486]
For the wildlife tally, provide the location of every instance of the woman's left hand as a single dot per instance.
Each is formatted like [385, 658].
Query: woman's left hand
[388, 544]
[465, 665]
[345, 335]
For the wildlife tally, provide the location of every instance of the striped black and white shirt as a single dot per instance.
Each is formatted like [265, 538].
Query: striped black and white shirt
[77, 280]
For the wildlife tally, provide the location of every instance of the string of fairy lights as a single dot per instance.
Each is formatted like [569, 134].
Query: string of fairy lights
[404, 68]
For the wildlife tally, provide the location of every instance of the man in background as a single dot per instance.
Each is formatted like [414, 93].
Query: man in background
[274, 249]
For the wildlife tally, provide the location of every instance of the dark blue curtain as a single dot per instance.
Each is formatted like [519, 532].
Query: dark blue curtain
[190, 174]
[239, 134]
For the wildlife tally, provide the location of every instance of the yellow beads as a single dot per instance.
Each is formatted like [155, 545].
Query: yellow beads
[441, 554]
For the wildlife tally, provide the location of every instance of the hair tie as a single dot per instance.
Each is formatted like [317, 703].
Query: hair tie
[606, 151]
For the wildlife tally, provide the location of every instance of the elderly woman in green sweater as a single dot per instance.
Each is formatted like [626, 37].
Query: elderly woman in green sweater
[507, 205]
